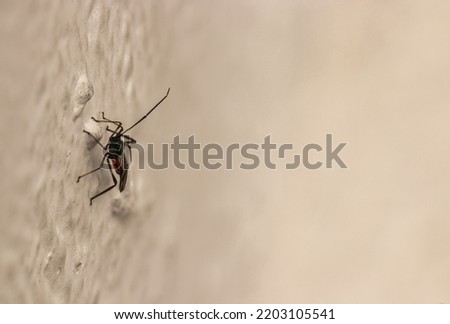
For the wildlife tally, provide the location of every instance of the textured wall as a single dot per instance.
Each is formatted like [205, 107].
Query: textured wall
[374, 74]
[73, 252]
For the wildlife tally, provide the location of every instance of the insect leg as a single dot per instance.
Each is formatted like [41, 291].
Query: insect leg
[115, 132]
[101, 164]
[111, 121]
[105, 120]
[98, 142]
[129, 148]
[130, 140]
[109, 188]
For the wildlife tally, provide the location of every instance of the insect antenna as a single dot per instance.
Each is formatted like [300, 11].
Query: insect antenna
[145, 116]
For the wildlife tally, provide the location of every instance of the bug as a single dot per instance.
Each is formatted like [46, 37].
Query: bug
[115, 150]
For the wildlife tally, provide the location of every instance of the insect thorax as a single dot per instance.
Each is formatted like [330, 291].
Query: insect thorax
[115, 146]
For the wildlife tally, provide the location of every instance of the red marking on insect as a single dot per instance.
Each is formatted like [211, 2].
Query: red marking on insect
[117, 166]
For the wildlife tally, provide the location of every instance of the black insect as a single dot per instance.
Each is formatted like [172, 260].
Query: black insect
[114, 150]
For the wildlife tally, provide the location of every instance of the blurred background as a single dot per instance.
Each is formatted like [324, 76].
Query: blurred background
[375, 74]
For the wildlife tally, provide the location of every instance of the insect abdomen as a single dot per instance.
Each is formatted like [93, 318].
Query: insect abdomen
[117, 166]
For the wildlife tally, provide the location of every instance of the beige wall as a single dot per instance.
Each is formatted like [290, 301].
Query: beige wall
[375, 74]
